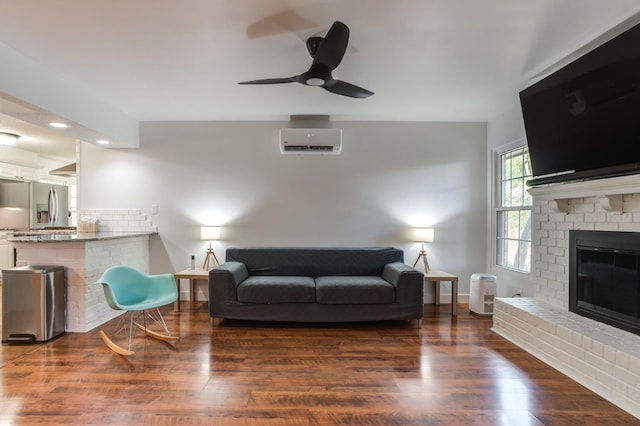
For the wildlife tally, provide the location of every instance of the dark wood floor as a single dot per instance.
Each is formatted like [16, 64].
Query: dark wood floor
[447, 373]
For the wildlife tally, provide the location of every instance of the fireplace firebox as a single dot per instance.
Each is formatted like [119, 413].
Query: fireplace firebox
[604, 277]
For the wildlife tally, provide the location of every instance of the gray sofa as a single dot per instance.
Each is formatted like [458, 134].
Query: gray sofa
[316, 285]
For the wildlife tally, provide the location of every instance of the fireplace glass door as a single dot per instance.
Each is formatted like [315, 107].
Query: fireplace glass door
[604, 277]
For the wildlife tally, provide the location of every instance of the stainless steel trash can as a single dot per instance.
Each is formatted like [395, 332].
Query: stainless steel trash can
[33, 303]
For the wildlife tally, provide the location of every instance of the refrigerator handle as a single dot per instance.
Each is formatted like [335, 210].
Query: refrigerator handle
[52, 205]
[55, 206]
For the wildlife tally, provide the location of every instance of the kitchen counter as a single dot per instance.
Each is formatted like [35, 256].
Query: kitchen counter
[62, 237]
[85, 257]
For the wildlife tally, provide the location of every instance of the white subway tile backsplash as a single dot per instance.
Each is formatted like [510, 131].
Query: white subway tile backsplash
[120, 220]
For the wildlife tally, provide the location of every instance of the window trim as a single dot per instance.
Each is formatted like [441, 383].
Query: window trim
[496, 153]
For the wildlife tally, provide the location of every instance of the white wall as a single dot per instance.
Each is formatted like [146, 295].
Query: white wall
[390, 176]
[503, 130]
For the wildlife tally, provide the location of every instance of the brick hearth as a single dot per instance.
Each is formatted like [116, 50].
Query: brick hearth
[600, 357]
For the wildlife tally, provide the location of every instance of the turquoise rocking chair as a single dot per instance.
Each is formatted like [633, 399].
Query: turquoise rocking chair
[141, 296]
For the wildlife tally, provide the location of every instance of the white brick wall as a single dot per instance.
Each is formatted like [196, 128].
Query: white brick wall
[550, 239]
[131, 251]
[84, 263]
[602, 358]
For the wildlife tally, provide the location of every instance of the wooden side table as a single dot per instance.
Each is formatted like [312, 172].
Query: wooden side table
[438, 276]
[192, 275]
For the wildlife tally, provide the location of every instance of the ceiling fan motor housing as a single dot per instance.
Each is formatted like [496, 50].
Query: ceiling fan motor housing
[313, 43]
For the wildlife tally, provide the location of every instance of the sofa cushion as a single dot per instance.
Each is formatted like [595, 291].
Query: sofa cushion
[277, 289]
[363, 290]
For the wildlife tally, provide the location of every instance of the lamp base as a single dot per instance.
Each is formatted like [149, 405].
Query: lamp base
[207, 258]
[423, 255]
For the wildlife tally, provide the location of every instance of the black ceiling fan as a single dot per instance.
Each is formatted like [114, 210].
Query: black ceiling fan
[327, 53]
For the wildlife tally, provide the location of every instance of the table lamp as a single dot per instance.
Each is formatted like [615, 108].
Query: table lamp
[423, 235]
[210, 233]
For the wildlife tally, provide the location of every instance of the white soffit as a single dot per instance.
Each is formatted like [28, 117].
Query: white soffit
[46, 96]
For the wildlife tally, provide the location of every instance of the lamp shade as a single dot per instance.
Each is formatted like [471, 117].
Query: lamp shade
[209, 233]
[423, 235]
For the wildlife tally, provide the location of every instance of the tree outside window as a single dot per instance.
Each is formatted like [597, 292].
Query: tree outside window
[513, 213]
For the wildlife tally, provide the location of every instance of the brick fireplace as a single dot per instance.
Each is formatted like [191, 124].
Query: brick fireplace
[603, 358]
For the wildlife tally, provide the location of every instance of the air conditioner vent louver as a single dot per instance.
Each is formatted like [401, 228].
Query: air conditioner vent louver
[296, 147]
[310, 141]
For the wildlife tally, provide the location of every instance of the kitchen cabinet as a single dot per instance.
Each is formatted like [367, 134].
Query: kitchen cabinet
[13, 171]
[27, 173]
[8, 170]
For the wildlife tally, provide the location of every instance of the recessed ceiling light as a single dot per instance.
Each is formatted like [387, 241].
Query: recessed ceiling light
[58, 125]
[8, 138]
[103, 142]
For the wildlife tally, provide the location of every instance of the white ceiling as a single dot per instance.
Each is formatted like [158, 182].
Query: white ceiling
[435, 60]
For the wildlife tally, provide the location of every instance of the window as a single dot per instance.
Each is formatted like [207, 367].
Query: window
[513, 211]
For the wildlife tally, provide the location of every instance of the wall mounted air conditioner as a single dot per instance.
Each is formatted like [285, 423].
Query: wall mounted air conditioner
[310, 141]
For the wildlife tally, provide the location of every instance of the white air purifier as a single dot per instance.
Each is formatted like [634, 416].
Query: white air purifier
[482, 293]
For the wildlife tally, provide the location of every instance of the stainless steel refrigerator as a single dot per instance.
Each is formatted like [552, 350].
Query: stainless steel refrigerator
[33, 205]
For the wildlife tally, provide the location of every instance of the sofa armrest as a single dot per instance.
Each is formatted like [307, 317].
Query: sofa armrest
[393, 272]
[224, 279]
[237, 269]
[409, 282]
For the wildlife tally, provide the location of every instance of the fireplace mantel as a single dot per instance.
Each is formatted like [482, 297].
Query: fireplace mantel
[608, 191]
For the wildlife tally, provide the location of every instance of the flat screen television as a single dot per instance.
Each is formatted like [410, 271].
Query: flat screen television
[583, 121]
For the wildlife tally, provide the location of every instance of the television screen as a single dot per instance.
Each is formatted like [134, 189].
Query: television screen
[583, 120]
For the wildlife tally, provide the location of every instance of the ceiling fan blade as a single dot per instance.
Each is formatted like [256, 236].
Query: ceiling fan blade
[327, 54]
[332, 48]
[346, 89]
[270, 81]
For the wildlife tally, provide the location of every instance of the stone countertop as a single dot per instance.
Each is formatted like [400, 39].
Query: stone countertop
[58, 238]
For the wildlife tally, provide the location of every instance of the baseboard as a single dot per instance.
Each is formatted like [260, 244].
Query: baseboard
[446, 298]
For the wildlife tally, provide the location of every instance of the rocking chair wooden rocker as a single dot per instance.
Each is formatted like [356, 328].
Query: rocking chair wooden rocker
[140, 295]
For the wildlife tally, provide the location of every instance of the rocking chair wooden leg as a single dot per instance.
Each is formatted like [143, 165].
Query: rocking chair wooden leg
[117, 349]
[155, 335]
